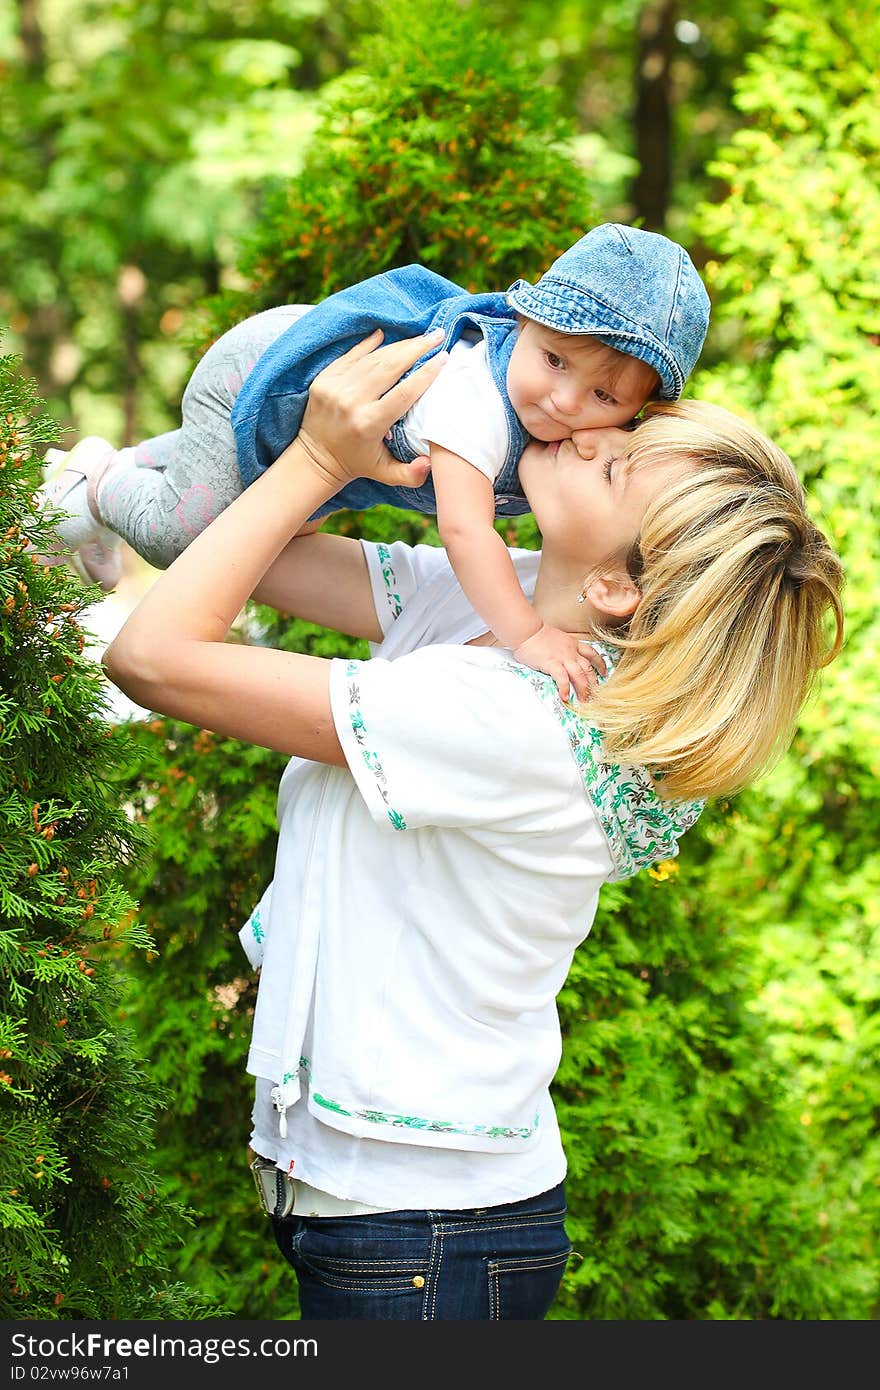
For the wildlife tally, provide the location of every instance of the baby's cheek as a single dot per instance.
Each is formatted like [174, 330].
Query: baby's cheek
[514, 394]
[592, 418]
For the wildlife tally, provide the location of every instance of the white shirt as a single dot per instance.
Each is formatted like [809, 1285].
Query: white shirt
[462, 410]
[432, 1022]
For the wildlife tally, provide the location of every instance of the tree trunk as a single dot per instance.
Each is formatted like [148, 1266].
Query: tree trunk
[652, 185]
[131, 286]
[31, 35]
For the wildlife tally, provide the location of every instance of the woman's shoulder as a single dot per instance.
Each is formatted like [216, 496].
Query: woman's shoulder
[641, 827]
[473, 717]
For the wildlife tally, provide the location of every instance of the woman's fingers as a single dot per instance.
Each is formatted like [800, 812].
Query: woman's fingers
[355, 399]
[364, 348]
[389, 362]
[400, 398]
[379, 373]
[381, 366]
[361, 349]
[365, 382]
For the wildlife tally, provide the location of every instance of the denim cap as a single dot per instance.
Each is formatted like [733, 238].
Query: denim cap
[636, 291]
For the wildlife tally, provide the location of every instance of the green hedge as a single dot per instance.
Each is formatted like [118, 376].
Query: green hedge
[85, 1233]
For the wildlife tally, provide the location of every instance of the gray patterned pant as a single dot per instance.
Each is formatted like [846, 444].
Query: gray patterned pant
[169, 488]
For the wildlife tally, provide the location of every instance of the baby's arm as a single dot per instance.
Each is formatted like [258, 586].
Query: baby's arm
[485, 570]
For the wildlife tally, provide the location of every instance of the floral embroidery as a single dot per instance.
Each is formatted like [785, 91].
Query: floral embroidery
[359, 729]
[288, 1076]
[640, 827]
[379, 1117]
[256, 925]
[390, 578]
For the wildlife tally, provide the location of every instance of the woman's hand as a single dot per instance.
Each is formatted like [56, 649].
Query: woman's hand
[355, 400]
[171, 655]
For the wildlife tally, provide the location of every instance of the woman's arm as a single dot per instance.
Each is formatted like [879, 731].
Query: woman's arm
[323, 578]
[171, 654]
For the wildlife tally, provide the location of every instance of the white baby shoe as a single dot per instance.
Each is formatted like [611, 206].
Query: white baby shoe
[70, 486]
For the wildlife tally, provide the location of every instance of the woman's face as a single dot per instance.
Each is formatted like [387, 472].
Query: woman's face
[588, 505]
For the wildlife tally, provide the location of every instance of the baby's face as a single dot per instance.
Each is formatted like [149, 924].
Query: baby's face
[561, 382]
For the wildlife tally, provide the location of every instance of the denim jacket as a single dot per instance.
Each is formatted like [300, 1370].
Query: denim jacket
[270, 406]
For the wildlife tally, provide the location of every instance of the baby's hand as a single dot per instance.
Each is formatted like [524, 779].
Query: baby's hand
[568, 661]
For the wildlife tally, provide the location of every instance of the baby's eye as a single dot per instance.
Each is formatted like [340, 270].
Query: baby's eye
[607, 466]
[605, 397]
[554, 360]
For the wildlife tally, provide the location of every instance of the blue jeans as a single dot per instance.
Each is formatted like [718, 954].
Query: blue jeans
[483, 1264]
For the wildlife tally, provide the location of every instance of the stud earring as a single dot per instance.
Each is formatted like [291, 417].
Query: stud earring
[582, 598]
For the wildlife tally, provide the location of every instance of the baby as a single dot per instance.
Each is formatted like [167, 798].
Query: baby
[618, 318]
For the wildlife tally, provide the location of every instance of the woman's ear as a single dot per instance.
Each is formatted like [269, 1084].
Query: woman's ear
[613, 595]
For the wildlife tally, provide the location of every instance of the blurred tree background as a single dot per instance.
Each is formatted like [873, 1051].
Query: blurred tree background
[169, 168]
[139, 139]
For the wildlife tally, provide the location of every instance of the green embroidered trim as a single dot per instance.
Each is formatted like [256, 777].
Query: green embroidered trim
[291, 1075]
[256, 925]
[371, 759]
[419, 1122]
[390, 578]
[640, 828]
[380, 1117]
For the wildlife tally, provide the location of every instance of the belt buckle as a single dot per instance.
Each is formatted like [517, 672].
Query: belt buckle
[274, 1188]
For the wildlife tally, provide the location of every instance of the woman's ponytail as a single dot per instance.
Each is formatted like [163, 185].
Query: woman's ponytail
[737, 586]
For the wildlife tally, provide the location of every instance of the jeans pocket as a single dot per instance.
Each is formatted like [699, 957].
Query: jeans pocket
[340, 1275]
[524, 1286]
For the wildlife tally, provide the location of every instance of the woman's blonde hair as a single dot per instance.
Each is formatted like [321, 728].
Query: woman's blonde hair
[735, 584]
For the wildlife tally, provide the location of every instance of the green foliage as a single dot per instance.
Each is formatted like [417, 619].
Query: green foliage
[134, 139]
[694, 1189]
[210, 807]
[442, 147]
[590, 56]
[797, 242]
[82, 1233]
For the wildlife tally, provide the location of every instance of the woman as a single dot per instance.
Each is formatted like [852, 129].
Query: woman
[442, 847]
